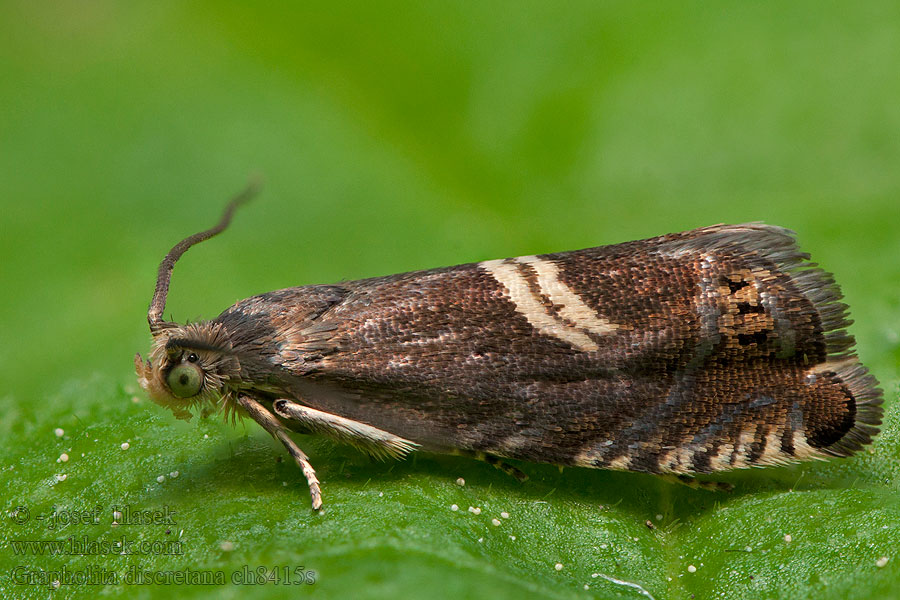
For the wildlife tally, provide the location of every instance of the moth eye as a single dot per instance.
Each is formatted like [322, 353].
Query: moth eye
[185, 380]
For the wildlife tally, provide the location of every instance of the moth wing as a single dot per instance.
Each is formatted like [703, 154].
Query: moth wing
[715, 348]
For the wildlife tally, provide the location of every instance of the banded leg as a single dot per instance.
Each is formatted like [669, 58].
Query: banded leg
[698, 484]
[268, 422]
[496, 462]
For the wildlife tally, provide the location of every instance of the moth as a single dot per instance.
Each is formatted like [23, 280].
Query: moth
[707, 350]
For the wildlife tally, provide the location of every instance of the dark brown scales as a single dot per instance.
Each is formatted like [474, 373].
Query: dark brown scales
[717, 348]
[718, 330]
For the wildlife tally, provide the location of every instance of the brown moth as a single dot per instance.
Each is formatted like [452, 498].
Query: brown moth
[713, 349]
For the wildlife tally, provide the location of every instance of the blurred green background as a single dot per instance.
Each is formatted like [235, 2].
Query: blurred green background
[399, 136]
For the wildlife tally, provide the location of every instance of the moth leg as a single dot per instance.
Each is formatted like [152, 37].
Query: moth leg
[496, 462]
[268, 422]
[691, 482]
[371, 440]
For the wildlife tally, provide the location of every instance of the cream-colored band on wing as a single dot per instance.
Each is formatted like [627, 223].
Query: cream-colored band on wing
[572, 307]
[529, 305]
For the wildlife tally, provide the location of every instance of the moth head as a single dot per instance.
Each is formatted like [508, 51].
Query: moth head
[189, 365]
[189, 368]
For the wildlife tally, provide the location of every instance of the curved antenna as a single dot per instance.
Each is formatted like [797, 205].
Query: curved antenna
[164, 275]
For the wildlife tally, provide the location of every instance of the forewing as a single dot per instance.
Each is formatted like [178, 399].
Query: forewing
[715, 348]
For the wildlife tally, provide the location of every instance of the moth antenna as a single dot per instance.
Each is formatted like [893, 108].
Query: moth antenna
[164, 275]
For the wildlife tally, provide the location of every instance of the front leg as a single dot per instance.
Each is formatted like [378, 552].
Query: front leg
[376, 442]
[268, 422]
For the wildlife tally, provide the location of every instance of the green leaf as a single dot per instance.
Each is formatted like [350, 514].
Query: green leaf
[400, 136]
